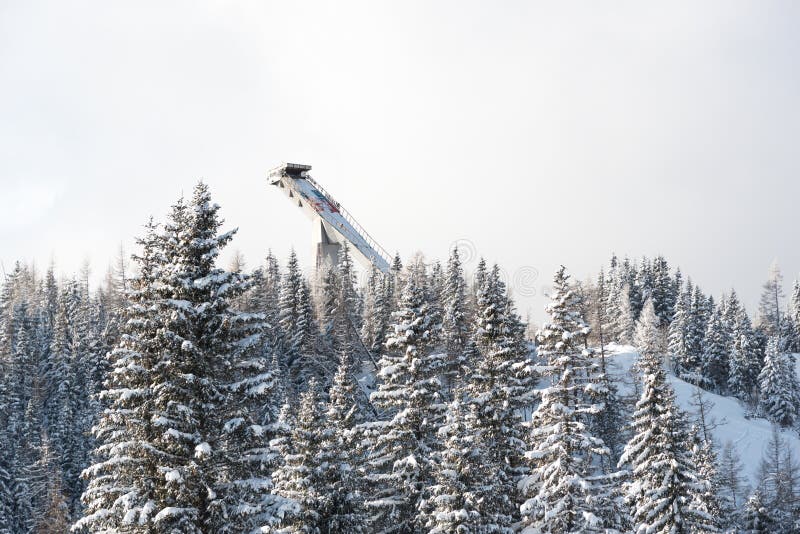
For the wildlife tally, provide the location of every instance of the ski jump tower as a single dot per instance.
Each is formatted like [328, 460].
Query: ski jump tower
[331, 224]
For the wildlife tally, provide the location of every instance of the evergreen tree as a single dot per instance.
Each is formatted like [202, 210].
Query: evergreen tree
[778, 387]
[164, 459]
[716, 369]
[375, 322]
[459, 492]
[626, 318]
[757, 518]
[289, 311]
[402, 450]
[455, 327]
[337, 461]
[663, 292]
[122, 479]
[647, 337]
[794, 310]
[663, 476]
[297, 480]
[678, 343]
[744, 360]
[563, 491]
[496, 391]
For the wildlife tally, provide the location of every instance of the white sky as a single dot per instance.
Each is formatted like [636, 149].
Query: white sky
[542, 132]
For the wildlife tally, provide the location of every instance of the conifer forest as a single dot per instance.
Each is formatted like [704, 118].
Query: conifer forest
[184, 397]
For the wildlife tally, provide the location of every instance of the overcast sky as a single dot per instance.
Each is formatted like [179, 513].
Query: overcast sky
[541, 132]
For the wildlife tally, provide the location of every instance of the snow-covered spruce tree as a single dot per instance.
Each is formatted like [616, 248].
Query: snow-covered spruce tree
[163, 463]
[251, 390]
[264, 296]
[307, 361]
[794, 309]
[496, 390]
[457, 496]
[607, 423]
[289, 311]
[716, 367]
[122, 479]
[696, 330]
[787, 336]
[678, 331]
[778, 392]
[297, 479]
[707, 495]
[455, 325]
[663, 476]
[745, 364]
[343, 316]
[663, 292]
[756, 516]
[337, 460]
[401, 450]
[434, 293]
[376, 314]
[564, 492]
[626, 317]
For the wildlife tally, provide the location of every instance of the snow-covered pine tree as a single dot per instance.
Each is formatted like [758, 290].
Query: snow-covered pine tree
[707, 494]
[307, 361]
[375, 320]
[794, 309]
[250, 387]
[455, 327]
[663, 476]
[458, 495]
[663, 292]
[402, 450]
[289, 311]
[122, 479]
[647, 336]
[690, 365]
[345, 316]
[478, 277]
[564, 492]
[787, 336]
[745, 364]
[678, 345]
[434, 293]
[338, 463]
[161, 443]
[756, 516]
[626, 316]
[497, 389]
[599, 312]
[778, 392]
[716, 366]
[297, 479]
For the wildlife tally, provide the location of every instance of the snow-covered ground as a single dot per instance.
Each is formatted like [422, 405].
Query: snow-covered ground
[748, 435]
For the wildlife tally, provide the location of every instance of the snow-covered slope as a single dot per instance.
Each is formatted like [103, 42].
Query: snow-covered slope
[748, 435]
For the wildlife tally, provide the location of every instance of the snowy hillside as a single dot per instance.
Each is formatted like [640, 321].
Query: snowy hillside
[749, 435]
